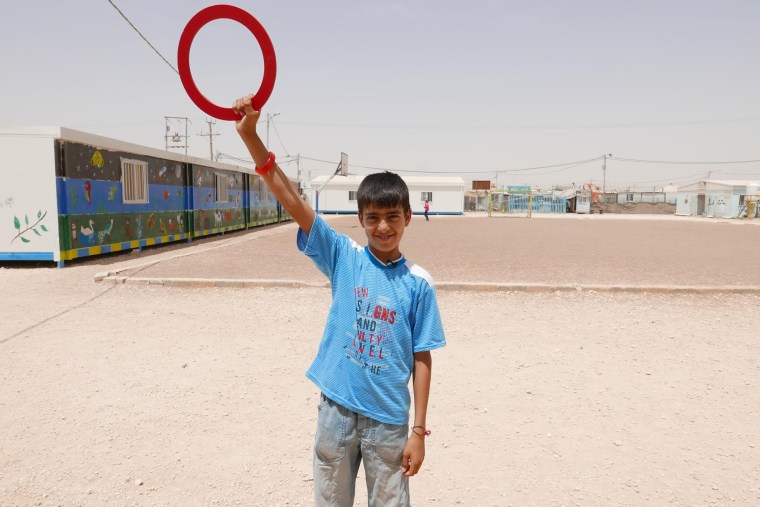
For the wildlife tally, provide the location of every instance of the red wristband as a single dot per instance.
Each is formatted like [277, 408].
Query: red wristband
[425, 431]
[268, 166]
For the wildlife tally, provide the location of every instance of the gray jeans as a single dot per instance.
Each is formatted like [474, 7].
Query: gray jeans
[342, 440]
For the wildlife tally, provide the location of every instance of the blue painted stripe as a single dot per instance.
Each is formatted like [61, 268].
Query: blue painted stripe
[107, 197]
[60, 185]
[26, 256]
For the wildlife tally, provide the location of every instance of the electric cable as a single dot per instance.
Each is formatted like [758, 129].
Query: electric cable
[682, 163]
[143, 37]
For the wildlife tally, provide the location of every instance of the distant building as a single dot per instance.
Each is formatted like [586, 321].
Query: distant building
[445, 194]
[666, 195]
[716, 198]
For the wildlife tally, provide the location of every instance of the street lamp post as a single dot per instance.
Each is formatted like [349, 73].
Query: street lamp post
[269, 119]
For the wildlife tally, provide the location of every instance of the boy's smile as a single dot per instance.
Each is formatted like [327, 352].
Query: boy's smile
[384, 228]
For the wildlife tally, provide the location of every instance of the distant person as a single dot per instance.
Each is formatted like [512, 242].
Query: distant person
[427, 208]
[383, 323]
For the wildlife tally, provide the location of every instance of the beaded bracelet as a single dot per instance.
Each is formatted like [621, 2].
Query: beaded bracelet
[425, 432]
[267, 166]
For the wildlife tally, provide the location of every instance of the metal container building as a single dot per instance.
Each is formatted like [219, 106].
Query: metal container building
[338, 195]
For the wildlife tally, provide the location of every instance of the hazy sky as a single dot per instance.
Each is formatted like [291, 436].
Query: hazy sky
[472, 88]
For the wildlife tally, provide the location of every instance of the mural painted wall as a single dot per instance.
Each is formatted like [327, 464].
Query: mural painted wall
[208, 213]
[264, 209]
[62, 199]
[91, 200]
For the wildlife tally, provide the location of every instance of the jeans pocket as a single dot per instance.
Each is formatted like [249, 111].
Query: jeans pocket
[390, 440]
[330, 438]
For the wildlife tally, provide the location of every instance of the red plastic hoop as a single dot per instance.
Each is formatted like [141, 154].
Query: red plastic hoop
[197, 22]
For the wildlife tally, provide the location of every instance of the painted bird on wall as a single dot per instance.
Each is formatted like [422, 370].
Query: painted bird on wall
[88, 237]
[87, 188]
[86, 231]
[105, 232]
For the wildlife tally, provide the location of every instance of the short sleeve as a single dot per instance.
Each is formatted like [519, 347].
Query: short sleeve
[321, 245]
[427, 330]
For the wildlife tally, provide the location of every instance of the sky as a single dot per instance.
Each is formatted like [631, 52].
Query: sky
[519, 92]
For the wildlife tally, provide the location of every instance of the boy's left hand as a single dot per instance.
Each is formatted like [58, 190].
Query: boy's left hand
[414, 455]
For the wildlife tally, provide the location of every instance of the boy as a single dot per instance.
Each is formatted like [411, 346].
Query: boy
[383, 323]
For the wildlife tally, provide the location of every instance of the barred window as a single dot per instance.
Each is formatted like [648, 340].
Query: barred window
[628, 197]
[134, 181]
[263, 191]
[426, 196]
[352, 195]
[221, 185]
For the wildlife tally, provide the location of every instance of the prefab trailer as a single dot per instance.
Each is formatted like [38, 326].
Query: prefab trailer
[337, 194]
[66, 194]
[716, 198]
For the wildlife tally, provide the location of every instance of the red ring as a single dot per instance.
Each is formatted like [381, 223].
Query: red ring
[183, 58]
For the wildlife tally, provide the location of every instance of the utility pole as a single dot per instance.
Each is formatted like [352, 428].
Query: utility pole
[210, 135]
[604, 175]
[269, 120]
[176, 137]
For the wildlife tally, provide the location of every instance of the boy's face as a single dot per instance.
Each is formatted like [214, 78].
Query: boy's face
[385, 228]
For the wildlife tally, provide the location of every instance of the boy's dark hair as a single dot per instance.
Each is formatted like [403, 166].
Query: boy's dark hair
[386, 190]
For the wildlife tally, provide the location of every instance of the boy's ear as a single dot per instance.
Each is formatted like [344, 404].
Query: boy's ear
[361, 219]
[408, 216]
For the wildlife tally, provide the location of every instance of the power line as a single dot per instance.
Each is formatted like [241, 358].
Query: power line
[487, 171]
[669, 180]
[280, 161]
[143, 37]
[449, 126]
[279, 138]
[684, 163]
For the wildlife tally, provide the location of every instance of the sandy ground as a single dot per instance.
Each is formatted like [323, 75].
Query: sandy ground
[565, 249]
[147, 395]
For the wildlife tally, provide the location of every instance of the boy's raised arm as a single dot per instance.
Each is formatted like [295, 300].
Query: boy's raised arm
[276, 180]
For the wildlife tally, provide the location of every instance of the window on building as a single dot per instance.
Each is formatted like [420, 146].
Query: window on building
[352, 195]
[221, 185]
[426, 196]
[134, 181]
[628, 197]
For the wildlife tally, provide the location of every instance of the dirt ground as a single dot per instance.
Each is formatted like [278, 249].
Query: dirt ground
[119, 394]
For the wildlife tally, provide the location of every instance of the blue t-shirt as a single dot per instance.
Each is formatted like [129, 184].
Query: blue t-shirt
[380, 316]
